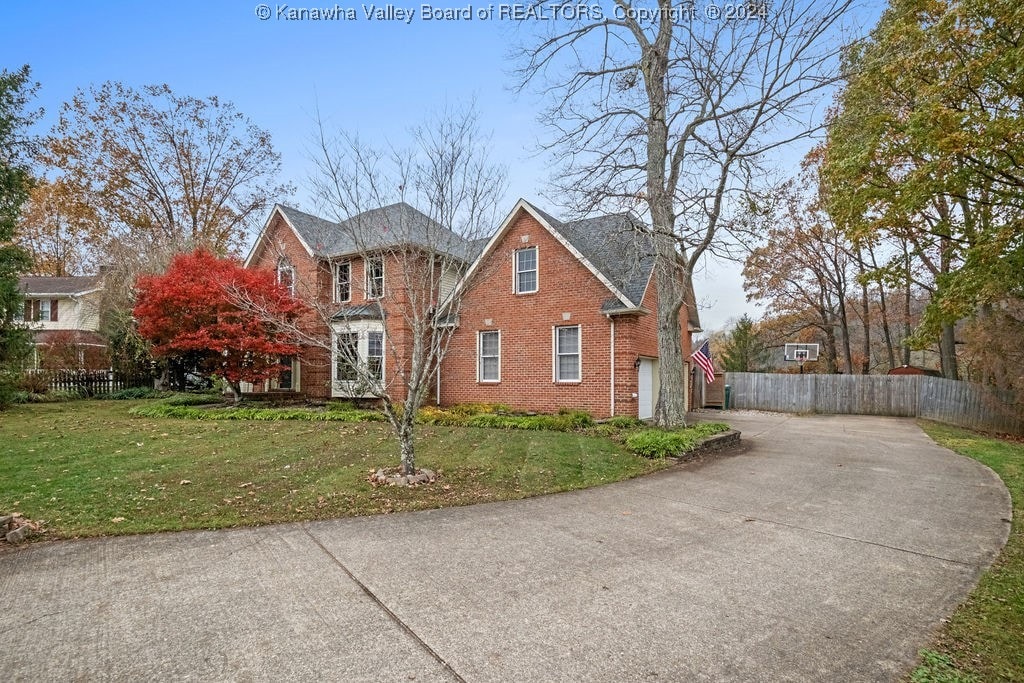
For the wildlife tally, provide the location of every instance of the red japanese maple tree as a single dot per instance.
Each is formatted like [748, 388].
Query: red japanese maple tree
[192, 310]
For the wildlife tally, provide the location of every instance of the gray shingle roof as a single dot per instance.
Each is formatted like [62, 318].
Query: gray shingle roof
[388, 226]
[39, 285]
[616, 246]
[619, 247]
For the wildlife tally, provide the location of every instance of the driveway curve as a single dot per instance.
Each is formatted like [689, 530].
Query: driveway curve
[828, 548]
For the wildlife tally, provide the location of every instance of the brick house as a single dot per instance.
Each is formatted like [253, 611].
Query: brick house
[559, 314]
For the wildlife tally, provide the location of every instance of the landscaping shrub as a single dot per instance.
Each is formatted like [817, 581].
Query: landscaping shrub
[579, 419]
[660, 443]
[432, 415]
[624, 422]
[134, 393]
[470, 409]
[166, 409]
[555, 423]
[34, 382]
[193, 399]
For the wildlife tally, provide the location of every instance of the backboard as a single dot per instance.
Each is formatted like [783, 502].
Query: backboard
[801, 353]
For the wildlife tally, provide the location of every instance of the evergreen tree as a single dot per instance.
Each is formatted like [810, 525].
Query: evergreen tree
[744, 350]
[15, 183]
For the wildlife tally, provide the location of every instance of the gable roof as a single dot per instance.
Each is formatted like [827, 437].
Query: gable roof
[588, 240]
[617, 246]
[32, 285]
[388, 226]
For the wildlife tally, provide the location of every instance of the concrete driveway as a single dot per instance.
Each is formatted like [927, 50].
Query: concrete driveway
[827, 550]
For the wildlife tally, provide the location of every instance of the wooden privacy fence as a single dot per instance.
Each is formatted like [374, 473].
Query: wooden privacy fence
[959, 403]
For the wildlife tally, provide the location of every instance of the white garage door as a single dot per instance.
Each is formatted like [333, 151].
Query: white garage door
[645, 389]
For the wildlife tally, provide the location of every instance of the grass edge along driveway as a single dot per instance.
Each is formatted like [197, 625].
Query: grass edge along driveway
[984, 638]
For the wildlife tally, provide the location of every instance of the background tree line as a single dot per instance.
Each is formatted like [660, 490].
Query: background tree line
[904, 231]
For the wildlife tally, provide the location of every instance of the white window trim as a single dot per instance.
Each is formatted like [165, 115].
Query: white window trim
[535, 271]
[337, 280]
[343, 388]
[45, 310]
[284, 266]
[366, 277]
[479, 357]
[555, 354]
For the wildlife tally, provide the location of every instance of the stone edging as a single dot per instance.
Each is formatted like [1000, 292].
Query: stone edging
[716, 443]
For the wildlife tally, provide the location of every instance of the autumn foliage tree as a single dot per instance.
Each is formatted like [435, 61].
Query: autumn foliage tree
[187, 313]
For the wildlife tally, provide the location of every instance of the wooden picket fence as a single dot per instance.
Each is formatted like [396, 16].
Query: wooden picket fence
[959, 403]
[92, 382]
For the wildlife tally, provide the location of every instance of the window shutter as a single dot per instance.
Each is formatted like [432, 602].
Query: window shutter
[28, 310]
[53, 310]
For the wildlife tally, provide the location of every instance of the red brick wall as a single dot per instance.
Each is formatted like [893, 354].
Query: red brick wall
[312, 281]
[526, 322]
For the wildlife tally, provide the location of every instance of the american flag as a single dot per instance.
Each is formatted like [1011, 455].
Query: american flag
[703, 358]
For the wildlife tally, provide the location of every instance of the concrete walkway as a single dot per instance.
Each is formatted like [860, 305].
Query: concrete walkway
[827, 550]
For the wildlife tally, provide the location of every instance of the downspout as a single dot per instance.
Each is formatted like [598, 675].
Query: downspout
[437, 399]
[611, 320]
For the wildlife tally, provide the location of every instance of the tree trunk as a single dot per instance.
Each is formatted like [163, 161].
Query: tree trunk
[865, 314]
[947, 351]
[670, 410]
[831, 364]
[406, 442]
[235, 389]
[907, 301]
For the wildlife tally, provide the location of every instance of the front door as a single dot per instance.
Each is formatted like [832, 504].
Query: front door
[645, 389]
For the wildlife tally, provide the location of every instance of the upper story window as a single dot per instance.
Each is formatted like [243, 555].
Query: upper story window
[343, 281]
[526, 270]
[286, 275]
[39, 310]
[374, 277]
[567, 353]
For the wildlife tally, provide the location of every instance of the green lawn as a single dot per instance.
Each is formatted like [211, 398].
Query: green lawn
[88, 468]
[984, 639]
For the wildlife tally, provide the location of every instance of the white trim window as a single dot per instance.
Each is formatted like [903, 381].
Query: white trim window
[567, 354]
[346, 357]
[375, 355]
[374, 277]
[286, 275]
[358, 359]
[489, 356]
[343, 281]
[44, 310]
[526, 280]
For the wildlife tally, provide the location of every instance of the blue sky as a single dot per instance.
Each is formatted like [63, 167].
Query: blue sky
[378, 77]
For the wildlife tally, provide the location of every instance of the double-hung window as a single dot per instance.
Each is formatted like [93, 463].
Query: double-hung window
[374, 277]
[567, 353]
[343, 281]
[526, 270]
[375, 355]
[44, 310]
[286, 276]
[348, 357]
[489, 356]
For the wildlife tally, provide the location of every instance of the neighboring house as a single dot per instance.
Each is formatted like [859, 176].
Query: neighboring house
[560, 315]
[63, 314]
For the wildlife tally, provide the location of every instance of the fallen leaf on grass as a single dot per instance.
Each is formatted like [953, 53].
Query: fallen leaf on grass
[186, 481]
[117, 520]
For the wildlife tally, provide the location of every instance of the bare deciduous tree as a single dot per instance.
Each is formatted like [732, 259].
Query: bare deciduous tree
[405, 225]
[673, 112]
